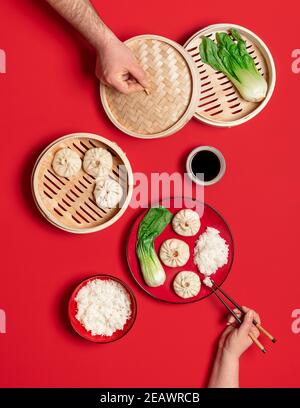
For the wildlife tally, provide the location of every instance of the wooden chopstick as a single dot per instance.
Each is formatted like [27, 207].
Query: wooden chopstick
[264, 331]
[259, 326]
[227, 306]
[254, 339]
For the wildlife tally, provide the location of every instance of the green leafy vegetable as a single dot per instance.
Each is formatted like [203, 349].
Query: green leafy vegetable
[152, 225]
[230, 56]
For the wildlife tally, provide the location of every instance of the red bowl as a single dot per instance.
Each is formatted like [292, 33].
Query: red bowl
[165, 292]
[78, 327]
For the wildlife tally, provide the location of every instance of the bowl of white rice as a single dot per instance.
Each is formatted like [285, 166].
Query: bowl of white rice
[102, 309]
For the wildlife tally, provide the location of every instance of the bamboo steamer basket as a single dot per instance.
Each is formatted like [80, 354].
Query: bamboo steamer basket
[220, 103]
[174, 90]
[68, 203]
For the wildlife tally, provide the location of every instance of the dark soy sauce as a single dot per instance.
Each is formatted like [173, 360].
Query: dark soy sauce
[206, 162]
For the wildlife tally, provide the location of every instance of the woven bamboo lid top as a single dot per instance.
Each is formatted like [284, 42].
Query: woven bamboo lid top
[172, 100]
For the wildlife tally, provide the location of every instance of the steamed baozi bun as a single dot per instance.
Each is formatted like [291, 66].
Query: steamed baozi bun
[186, 223]
[108, 193]
[66, 162]
[174, 252]
[187, 284]
[98, 162]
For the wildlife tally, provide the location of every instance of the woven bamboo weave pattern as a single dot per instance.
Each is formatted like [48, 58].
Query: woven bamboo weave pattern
[170, 90]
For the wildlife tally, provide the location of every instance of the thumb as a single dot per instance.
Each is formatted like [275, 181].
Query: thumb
[139, 74]
[246, 326]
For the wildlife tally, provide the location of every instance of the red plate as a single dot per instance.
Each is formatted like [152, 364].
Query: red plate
[77, 326]
[209, 218]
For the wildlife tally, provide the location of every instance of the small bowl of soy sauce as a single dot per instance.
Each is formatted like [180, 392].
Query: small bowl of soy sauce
[205, 165]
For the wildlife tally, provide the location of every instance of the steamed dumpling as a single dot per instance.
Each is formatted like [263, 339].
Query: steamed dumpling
[186, 223]
[98, 162]
[108, 193]
[66, 162]
[187, 284]
[174, 252]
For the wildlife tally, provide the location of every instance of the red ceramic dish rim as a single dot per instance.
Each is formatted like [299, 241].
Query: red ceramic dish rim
[190, 301]
[133, 307]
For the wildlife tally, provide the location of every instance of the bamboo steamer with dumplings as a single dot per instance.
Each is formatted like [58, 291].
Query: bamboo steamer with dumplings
[69, 202]
[182, 87]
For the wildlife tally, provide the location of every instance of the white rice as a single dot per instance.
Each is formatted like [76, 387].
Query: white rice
[207, 282]
[211, 252]
[103, 306]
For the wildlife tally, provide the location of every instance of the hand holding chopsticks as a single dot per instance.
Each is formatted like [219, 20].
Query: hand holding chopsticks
[215, 288]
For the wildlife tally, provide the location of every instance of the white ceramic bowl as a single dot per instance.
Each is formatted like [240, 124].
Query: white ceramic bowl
[189, 165]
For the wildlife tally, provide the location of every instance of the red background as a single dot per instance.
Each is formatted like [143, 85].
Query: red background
[49, 90]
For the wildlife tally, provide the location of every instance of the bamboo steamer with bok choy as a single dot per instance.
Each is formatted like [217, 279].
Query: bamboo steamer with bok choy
[236, 71]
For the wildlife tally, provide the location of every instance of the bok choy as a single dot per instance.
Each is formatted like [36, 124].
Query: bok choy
[230, 56]
[152, 225]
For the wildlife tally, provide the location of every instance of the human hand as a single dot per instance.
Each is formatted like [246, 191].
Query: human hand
[235, 339]
[116, 66]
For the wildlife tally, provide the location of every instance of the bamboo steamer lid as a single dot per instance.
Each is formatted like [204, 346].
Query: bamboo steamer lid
[174, 90]
[220, 103]
[68, 203]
